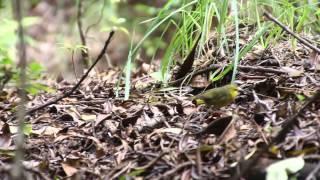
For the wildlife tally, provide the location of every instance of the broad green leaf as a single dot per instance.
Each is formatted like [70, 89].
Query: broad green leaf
[280, 170]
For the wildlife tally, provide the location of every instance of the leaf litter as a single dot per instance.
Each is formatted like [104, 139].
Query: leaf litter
[162, 134]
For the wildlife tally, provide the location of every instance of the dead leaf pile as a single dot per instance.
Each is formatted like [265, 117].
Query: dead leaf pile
[162, 134]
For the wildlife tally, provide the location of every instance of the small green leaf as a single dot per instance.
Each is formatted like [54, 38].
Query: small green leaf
[300, 97]
[6, 61]
[28, 21]
[34, 88]
[27, 129]
[35, 67]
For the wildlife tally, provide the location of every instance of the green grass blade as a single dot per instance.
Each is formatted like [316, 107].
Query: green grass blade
[236, 56]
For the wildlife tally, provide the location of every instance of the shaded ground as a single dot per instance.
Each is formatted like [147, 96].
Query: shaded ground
[160, 133]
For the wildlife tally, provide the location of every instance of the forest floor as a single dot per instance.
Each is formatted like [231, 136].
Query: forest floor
[161, 133]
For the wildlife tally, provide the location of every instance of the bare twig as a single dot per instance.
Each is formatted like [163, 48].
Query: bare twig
[152, 162]
[176, 169]
[121, 171]
[85, 51]
[103, 51]
[17, 170]
[216, 66]
[303, 41]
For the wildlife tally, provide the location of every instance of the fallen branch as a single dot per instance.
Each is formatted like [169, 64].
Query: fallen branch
[103, 51]
[303, 41]
[216, 66]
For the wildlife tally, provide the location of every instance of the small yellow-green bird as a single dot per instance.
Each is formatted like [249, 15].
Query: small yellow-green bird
[217, 97]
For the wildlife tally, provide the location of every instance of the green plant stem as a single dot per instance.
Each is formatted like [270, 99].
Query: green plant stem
[17, 171]
[236, 56]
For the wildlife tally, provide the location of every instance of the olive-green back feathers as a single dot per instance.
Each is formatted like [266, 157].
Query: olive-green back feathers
[218, 97]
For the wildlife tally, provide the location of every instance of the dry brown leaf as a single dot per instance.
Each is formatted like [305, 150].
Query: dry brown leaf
[46, 130]
[69, 170]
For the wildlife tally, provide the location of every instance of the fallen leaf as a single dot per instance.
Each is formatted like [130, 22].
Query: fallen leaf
[48, 130]
[280, 170]
[88, 117]
[292, 72]
[69, 170]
